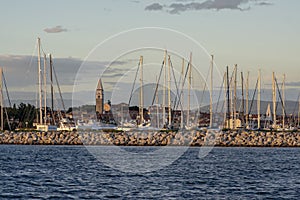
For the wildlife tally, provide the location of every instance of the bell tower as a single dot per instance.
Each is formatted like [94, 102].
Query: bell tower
[99, 98]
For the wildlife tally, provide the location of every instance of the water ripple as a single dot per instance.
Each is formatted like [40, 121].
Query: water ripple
[71, 172]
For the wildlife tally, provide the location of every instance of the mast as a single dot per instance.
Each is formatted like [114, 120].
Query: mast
[258, 101]
[39, 81]
[51, 80]
[228, 98]
[141, 92]
[247, 101]
[122, 115]
[189, 90]
[243, 100]
[157, 109]
[164, 88]
[274, 99]
[235, 96]
[169, 91]
[45, 89]
[181, 95]
[231, 104]
[283, 102]
[225, 99]
[298, 114]
[211, 91]
[1, 98]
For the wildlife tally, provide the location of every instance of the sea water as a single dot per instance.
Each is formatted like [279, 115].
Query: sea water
[72, 172]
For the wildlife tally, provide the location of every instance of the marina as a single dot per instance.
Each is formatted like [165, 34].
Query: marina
[165, 122]
[177, 99]
[168, 112]
[236, 113]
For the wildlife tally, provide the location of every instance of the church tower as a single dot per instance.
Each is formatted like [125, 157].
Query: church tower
[99, 98]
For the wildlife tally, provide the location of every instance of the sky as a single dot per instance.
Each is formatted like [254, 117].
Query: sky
[255, 34]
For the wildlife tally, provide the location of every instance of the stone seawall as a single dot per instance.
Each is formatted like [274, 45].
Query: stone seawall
[192, 138]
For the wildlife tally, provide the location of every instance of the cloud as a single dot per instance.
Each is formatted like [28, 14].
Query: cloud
[176, 8]
[56, 29]
[24, 69]
[184, 5]
[265, 4]
[154, 7]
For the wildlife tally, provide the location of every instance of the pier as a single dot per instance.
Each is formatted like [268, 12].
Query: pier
[155, 138]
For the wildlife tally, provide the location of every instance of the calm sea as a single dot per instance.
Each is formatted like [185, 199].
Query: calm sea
[72, 172]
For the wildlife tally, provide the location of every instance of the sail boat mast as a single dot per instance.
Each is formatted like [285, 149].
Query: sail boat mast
[164, 88]
[157, 108]
[274, 99]
[1, 98]
[181, 95]
[243, 100]
[141, 91]
[258, 101]
[235, 97]
[228, 97]
[169, 91]
[45, 89]
[211, 91]
[283, 102]
[51, 80]
[189, 90]
[225, 100]
[247, 100]
[39, 81]
[298, 124]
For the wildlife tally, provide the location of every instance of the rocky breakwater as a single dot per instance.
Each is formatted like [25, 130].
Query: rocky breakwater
[40, 138]
[156, 138]
[259, 139]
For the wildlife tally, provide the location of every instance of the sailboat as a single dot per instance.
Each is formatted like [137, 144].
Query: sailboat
[126, 125]
[268, 118]
[2, 102]
[66, 125]
[41, 125]
[165, 113]
[212, 127]
[189, 125]
[166, 107]
[142, 123]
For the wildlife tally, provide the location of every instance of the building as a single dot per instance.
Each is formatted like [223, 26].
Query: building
[99, 99]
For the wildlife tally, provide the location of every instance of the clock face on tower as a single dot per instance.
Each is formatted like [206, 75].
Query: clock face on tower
[107, 107]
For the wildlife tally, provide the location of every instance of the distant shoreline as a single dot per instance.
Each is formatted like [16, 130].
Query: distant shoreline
[154, 138]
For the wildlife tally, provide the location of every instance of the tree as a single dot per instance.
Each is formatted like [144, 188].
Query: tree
[20, 117]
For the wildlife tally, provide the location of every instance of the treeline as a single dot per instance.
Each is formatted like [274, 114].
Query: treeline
[21, 116]
[25, 115]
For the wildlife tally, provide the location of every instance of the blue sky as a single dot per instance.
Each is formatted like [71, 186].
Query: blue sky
[259, 34]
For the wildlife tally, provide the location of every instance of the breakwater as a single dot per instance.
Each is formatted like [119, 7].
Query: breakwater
[192, 138]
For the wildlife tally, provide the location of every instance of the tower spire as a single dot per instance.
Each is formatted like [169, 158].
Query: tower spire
[99, 98]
